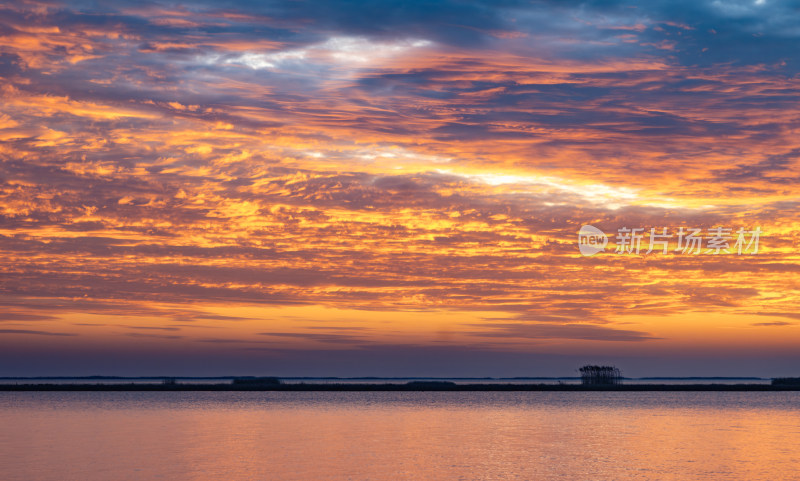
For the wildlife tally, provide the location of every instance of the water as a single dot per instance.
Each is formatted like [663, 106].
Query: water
[234, 436]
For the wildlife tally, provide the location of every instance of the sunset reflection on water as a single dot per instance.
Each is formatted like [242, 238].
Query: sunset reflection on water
[411, 435]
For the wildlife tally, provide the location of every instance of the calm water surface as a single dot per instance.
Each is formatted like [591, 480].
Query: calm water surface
[235, 436]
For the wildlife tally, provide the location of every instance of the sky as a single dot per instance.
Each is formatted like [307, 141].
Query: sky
[395, 188]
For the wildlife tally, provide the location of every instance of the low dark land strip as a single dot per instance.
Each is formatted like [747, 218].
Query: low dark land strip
[394, 387]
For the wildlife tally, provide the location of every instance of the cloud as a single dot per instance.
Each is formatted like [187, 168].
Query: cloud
[158, 328]
[20, 316]
[34, 332]
[153, 336]
[328, 338]
[788, 315]
[561, 331]
[185, 165]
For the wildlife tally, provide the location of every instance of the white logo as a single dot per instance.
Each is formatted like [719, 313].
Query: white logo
[591, 240]
[690, 240]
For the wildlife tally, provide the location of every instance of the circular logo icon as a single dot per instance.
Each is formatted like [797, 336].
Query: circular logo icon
[591, 240]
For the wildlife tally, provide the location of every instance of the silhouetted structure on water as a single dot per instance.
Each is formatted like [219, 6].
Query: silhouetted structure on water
[600, 375]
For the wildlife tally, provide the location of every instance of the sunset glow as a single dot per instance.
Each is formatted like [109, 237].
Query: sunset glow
[303, 189]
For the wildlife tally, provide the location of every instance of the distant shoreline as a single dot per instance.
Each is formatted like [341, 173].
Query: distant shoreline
[393, 387]
[375, 378]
